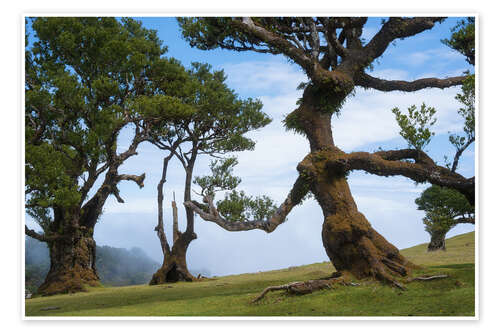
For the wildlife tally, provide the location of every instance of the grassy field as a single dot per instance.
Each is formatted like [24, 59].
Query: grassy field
[231, 295]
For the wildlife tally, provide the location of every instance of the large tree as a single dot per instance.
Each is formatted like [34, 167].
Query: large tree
[87, 80]
[336, 60]
[216, 127]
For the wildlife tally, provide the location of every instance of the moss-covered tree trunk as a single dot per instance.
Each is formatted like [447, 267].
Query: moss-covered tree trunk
[72, 264]
[351, 243]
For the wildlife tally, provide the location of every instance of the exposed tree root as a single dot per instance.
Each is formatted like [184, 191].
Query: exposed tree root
[305, 287]
[426, 278]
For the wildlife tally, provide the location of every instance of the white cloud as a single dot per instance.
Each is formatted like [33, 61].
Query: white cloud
[434, 55]
[367, 117]
[276, 76]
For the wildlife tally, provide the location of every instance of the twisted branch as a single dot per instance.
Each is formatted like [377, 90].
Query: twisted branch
[210, 213]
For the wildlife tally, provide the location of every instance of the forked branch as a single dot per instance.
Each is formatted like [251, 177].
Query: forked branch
[210, 213]
[395, 163]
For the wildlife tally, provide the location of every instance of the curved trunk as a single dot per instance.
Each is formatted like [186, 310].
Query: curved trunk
[72, 264]
[174, 266]
[437, 242]
[352, 245]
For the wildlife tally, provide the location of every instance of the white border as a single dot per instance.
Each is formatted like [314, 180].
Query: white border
[241, 13]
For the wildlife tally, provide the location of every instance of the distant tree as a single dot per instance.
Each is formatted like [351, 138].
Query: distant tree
[87, 80]
[444, 208]
[336, 60]
[216, 127]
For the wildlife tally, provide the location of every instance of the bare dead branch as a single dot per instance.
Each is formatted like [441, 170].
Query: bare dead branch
[304, 287]
[427, 278]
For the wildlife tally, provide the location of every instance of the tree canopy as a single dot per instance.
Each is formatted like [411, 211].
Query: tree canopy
[336, 60]
[87, 79]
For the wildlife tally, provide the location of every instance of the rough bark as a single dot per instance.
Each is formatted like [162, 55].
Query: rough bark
[352, 245]
[437, 242]
[72, 264]
[395, 162]
[174, 267]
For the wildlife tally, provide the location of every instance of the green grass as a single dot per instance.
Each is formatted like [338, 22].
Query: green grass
[231, 295]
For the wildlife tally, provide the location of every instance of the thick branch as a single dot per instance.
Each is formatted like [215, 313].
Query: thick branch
[41, 237]
[139, 180]
[366, 81]
[299, 190]
[397, 27]
[392, 163]
[470, 220]
[275, 41]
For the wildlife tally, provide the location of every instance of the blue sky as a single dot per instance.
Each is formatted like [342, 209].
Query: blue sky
[365, 123]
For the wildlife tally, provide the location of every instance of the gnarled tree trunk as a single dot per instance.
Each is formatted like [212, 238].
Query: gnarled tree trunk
[72, 264]
[351, 243]
[174, 266]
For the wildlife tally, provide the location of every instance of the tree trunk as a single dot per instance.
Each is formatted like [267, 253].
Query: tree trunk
[437, 242]
[174, 266]
[72, 264]
[352, 245]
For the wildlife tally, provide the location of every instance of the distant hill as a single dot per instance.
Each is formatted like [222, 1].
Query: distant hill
[460, 249]
[115, 266]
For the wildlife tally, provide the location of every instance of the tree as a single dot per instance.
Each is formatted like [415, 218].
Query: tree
[463, 39]
[444, 208]
[216, 127]
[87, 80]
[336, 60]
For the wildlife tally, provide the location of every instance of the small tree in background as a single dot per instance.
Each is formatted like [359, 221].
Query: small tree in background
[444, 208]
[217, 126]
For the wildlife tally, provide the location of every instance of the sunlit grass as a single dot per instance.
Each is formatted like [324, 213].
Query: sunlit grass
[231, 295]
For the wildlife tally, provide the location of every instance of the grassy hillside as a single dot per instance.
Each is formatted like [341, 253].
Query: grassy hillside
[231, 295]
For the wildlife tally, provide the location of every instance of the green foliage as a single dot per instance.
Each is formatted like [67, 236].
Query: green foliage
[236, 206]
[415, 127]
[86, 79]
[221, 178]
[467, 112]
[442, 206]
[217, 119]
[463, 39]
